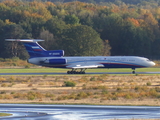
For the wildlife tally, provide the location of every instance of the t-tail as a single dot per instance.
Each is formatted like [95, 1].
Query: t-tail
[36, 50]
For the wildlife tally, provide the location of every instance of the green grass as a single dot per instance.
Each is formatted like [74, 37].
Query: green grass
[54, 70]
[4, 114]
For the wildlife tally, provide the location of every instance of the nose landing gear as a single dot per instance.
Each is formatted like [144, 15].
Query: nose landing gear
[133, 72]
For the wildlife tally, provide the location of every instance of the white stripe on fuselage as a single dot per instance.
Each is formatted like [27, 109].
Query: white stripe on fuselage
[35, 47]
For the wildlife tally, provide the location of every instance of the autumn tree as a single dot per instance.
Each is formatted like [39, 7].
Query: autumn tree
[55, 26]
[106, 49]
[124, 27]
[14, 49]
[112, 30]
[81, 41]
[71, 19]
[48, 38]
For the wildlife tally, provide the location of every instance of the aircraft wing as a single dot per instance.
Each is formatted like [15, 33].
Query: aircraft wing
[79, 66]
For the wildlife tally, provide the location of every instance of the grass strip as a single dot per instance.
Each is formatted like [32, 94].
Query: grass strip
[58, 70]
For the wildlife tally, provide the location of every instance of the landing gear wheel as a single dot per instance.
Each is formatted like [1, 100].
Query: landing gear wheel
[133, 72]
[78, 73]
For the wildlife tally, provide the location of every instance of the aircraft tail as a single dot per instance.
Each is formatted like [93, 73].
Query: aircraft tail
[35, 50]
[32, 47]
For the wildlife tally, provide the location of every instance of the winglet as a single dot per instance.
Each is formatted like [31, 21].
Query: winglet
[24, 40]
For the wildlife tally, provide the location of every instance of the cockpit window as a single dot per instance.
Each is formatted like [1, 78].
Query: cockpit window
[148, 60]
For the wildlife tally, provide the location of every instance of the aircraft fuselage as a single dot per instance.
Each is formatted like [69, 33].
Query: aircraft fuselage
[102, 61]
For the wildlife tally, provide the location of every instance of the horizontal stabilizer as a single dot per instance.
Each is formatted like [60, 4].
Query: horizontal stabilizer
[32, 46]
[24, 40]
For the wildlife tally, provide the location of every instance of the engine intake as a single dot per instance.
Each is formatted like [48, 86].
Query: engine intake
[56, 61]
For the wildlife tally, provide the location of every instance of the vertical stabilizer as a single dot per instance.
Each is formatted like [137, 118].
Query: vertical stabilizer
[32, 47]
[35, 50]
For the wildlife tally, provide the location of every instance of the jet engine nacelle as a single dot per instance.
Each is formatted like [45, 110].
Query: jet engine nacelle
[56, 53]
[56, 61]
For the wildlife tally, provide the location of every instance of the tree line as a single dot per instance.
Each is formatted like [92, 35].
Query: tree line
[80, 28]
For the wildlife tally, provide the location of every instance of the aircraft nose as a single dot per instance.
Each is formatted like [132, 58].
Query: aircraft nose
[152, 63]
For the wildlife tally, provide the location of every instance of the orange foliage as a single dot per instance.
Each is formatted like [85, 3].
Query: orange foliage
[115, 9]
[34, 15]
[43, 13]
[8, 22]
[12, 3]
[142, 94]
[37, 4]
[49, 4]
[131, 10]
[149, 18]
[134, 95]
[42, 10]
[122, 94]
[79, 5]
[134, 21]
[75, 3]
[90, 8]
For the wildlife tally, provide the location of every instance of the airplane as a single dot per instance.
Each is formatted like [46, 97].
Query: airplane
[56, 59]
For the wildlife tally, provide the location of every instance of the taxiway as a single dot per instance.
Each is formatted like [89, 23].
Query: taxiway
[77, 112]
[53, 73]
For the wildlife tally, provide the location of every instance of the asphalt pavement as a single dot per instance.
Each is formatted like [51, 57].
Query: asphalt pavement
[77, 112]
[57, 73]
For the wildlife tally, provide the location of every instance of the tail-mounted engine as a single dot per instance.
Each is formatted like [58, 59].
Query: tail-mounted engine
[56, 53]
[56, 61]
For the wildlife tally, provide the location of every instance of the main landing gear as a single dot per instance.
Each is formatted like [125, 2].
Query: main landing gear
[133, 72]
[73, 71]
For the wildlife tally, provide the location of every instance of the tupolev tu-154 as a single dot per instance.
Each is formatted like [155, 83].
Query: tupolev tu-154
[56, 59]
